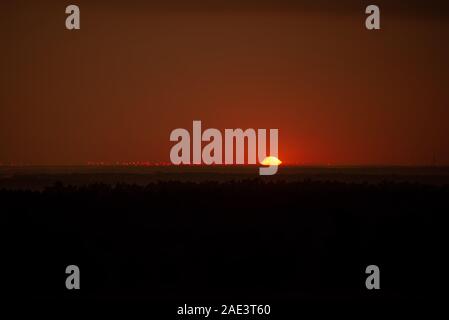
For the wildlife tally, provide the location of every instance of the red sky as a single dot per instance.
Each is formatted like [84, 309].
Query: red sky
[115, 89]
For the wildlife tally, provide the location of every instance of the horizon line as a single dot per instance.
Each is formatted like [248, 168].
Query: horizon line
[144, 164]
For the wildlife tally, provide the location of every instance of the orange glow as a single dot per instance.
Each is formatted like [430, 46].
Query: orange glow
[271, 161]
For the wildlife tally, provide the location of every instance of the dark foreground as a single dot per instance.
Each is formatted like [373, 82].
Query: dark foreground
[240, 242]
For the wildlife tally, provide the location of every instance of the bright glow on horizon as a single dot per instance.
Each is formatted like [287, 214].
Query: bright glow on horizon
[271, 161]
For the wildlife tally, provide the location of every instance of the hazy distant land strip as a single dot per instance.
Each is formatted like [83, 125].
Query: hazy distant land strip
[39, 177]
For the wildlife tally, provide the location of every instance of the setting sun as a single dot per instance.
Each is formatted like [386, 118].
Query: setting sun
[271, 161]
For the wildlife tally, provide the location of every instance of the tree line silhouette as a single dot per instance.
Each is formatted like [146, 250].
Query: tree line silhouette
[238, 239]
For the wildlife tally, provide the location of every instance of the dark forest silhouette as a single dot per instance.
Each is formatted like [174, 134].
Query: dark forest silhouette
[210, 240]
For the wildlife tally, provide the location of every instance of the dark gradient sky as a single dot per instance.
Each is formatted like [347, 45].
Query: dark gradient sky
[115, 89]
